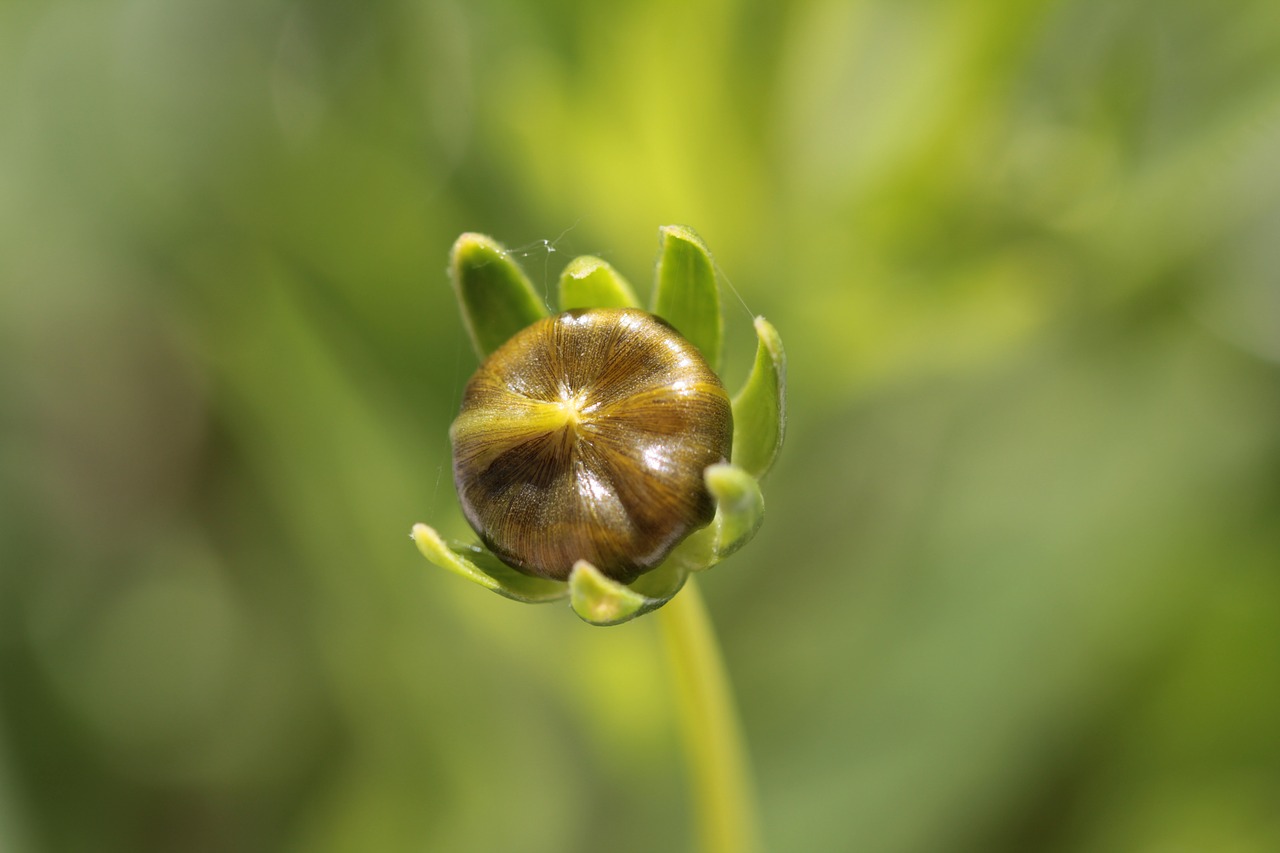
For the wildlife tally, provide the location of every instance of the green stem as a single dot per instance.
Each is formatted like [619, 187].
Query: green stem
[714, 747]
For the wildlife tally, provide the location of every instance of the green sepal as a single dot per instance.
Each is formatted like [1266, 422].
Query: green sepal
[589, 282]
[494, 294]
[685, 292]
[760, 408]
[479, 566]
[739, 507]
[739, 514]
[600, 600]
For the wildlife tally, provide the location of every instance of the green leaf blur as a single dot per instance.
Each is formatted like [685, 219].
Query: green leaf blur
[1018, 586]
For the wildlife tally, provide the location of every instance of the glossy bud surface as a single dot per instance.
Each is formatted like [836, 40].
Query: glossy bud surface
[585, 436]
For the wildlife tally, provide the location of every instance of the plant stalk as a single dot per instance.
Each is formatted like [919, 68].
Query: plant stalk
[714, 748]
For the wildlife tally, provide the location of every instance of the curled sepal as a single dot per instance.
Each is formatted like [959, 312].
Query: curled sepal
[479, 566]
[603, 601]
[739, 507]
[589, 282]
[685, 292]
[760, 408]
[739, 514]
[493, 293]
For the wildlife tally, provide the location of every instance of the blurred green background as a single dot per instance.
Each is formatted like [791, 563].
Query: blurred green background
[1019, 585]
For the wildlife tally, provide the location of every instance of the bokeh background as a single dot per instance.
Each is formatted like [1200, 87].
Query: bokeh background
[1019, 585]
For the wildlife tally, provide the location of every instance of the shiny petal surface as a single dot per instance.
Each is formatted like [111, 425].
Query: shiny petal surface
[585, 437]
